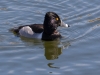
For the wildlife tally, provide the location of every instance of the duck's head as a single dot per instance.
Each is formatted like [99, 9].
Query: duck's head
[52, 21]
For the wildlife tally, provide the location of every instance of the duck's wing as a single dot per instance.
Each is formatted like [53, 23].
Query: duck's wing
[37, 28]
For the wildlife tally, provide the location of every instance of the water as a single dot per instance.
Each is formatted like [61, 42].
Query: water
[76, 54]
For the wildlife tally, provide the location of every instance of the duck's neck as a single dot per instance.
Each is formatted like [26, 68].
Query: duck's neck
[50, 37]
[49, 32]
[48, 28]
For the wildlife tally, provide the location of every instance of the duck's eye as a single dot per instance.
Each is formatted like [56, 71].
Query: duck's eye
[57, 19]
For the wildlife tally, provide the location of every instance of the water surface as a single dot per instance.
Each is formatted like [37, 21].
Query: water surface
[77, 53]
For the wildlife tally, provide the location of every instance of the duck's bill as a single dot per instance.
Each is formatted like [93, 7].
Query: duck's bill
[64, 24]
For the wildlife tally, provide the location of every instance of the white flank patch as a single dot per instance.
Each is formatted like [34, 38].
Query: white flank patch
[27, 32]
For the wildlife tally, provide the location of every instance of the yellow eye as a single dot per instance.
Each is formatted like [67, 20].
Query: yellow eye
[57, 19]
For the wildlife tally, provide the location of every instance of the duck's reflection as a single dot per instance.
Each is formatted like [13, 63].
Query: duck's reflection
[51, 65]
[52, 50]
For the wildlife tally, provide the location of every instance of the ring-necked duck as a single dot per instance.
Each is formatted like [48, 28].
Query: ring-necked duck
[46, 31]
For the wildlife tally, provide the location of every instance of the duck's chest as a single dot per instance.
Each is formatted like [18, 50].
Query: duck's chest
[51, 37]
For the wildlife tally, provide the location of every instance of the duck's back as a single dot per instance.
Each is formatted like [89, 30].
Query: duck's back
[31, 31]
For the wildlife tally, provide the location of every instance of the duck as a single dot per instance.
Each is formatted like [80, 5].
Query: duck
[46, 31]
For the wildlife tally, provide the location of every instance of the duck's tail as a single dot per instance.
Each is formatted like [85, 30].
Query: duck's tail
[14, 30]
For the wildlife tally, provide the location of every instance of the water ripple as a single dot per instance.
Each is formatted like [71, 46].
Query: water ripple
[76, 54]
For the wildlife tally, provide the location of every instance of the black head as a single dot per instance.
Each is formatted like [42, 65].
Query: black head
[51, 22]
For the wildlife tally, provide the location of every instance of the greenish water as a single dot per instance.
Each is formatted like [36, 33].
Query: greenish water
[77, 53]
